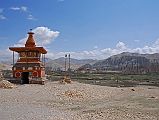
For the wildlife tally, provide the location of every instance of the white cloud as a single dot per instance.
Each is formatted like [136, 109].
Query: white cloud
[15, 8]
[156, 44]
[2, 17]
[22, 8]
[121, 46]
[31, 17]
[107, 52]
[43, 36]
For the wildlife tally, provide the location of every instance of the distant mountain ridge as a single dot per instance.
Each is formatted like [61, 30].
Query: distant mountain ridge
[148, 56]
[56, 63]
[74, 63]
[128, 63]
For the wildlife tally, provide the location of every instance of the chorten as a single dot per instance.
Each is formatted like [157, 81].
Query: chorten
[30, 65]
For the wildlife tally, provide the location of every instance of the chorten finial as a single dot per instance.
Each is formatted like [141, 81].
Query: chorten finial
[30, 41]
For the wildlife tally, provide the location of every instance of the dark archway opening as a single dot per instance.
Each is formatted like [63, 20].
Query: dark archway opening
[25, 78]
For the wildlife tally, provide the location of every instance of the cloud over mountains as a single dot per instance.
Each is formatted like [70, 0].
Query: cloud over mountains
[107, 52]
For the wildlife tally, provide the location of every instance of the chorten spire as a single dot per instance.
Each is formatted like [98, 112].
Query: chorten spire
[30, 41]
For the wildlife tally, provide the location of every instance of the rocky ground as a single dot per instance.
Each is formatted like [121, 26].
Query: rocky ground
[77, 101]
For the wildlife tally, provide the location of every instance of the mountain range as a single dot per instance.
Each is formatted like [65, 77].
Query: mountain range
[128, 63]
[74, 63]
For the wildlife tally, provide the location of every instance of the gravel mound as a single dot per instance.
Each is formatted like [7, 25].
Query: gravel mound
[6, 84]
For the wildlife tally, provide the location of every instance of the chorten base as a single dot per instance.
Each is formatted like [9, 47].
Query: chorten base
[31, 81]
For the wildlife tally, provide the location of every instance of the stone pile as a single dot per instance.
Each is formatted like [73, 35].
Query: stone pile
[6, 84]
[66, 80]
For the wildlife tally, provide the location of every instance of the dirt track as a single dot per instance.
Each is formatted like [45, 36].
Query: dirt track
[77, 101]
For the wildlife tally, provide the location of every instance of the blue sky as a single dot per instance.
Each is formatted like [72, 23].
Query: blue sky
[85, 28]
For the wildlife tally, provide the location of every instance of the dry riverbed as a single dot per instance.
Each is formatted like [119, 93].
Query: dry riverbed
[77, 101]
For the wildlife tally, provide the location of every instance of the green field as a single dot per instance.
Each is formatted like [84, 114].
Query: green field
[111, 79]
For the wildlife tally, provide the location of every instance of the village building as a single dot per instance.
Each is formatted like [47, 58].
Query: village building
[30, 65]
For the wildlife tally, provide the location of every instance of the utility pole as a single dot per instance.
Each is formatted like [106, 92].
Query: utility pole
[13, 58]
[69, 61]
[69, 65]
[65, 63]
[66, 78]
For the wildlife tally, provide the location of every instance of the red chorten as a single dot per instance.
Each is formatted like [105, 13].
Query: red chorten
[30, 66]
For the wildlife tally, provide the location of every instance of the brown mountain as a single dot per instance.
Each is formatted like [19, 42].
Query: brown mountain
[74, 63]
[129, 63]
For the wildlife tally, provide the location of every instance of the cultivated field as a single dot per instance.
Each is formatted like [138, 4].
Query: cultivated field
[112, 79]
